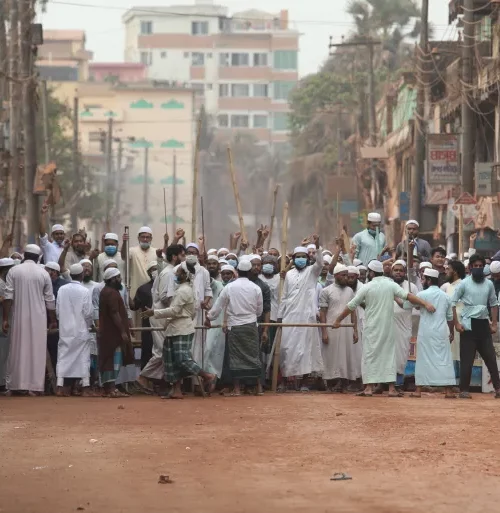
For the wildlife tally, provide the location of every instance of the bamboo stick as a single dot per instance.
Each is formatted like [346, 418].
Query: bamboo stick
[461, 233]
[273, 216]
[236, 194]
[287, 325]
[196, 171]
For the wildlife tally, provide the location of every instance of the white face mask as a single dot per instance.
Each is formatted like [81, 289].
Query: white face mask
[191, 259]
[154, 274]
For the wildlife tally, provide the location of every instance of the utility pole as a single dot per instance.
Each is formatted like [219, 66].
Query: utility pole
[26, 15]
[468, 115]
[4, 61]
[174, 192]
[118, 181]
[109, 170]
[76, 158]
[145, 191]
[420, 128]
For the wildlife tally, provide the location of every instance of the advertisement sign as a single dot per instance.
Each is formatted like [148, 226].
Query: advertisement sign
[443, 166]
[484, 178]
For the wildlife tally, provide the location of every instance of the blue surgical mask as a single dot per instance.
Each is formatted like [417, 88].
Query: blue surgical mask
[234, 263]
[110, 250]
[300, 263]
[372, 232]
[145, 245]
[268, 269]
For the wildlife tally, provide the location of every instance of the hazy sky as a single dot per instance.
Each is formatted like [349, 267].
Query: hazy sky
[315, 19]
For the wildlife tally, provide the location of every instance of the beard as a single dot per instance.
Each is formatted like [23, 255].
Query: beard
[86, 279]
[425, 285]
[399, 280]
[117, 286]
[479, 279]
[213, 273]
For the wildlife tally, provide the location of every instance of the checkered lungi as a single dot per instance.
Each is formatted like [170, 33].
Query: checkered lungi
[178, 361]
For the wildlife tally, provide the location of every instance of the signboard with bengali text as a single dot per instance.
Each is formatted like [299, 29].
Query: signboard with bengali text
[443, 164]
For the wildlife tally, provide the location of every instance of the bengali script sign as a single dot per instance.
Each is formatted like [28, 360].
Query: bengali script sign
[442, 159]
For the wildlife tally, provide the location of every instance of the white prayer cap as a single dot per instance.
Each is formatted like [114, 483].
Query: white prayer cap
[212, 251]
[362, 268]
[54, 266]
[111, 236]
[109, 261]
[328, 259]
[255, 257]
[6, 262]
[495, 267]
[356, 262]
[453, 255]
[57, 228]
[111, 273]
[193, 245]
[76, 269]
[86, 261]
[299, 249]
[351, 269]
[222, 250]
[327, 252]
[145, 229]
[374, 217]
[264, 253]
[376, 266]
[433, 273]
[466, 255]
[339, 268]
[41, 265]
[232, 254]
[423, 265]
[228, 268]
[33, 249]
[244, 265]
[212, 257]
[223, 261]
[466, 262]
[412, 221]
[151, 264]
[399, 262]
[312, 246]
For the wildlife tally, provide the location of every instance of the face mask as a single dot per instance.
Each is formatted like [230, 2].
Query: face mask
[191, 260]
[268, 269]
[300, 263]
[145, 245]
[233, 263]
[154, 274]
[372, 232]
[477, 273]
[110, 250]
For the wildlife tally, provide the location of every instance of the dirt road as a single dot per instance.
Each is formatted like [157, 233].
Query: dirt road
[268, 454]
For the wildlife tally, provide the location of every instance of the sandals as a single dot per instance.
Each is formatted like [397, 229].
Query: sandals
[464, 395]
[364, 394]
[116, 394]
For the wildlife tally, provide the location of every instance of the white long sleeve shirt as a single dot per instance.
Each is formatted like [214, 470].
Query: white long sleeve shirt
[243, 301]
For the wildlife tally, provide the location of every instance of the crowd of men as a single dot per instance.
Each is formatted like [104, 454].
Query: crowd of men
[218, 316]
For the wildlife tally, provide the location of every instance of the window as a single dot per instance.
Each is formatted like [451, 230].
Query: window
[223, 120]
[146, 58]
[283, 89]
[146, 27]
[240, 90]
[285, 59]
[259, 121]
[261, 90]
[197, 59]
[186, 55]
[239, 59]
[280, 121]
[239, 121]
[224, 59]
[223, 90]
[199, 28]
[163, 55]
[260, 59]
[209, 55]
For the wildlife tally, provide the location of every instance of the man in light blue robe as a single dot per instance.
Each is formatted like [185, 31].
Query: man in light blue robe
[369, 243]
[434, 365]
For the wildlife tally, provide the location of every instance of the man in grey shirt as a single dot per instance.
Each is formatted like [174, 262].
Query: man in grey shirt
[422, 247]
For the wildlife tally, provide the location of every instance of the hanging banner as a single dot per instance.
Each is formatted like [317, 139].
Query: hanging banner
[442, 159]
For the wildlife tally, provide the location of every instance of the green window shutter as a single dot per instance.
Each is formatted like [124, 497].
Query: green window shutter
[280, 121]
[285, 59]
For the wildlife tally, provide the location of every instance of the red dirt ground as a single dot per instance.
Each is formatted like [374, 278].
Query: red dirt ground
[268, 454]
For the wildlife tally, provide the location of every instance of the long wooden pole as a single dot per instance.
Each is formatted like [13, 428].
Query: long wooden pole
[196, 172]
[273, 216]
[127, 261]
[236, 194]
[460, 233]
[277, 345]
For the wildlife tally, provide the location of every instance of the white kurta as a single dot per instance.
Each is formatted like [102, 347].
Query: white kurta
[30, 288]
[74, 311]
[403, 322]
[89, 285]
[339, 358]
[215, 338]
[379, 346]
[300, 347]
[360, 318]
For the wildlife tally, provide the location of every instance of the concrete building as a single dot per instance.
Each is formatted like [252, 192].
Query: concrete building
[117, 72]
[246, 64]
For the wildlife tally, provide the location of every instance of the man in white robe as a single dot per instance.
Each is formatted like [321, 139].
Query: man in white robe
[29, 294]
[354, 281]
[339, 362]
[74, 312]
[301, 347]
[90, 284]
[379, 346]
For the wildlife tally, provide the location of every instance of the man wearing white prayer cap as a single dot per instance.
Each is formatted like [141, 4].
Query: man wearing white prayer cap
[212, 251]
[29, 295]
[362, 272]
[110, 250]
[5, 265]
[51, 249]
[337, 349]
[222, 252]
[369, 243]
[416, 244]
[495, 275]
[74, 312]
[323, 279]
[311, 252]
[301, 347]
[434, 364]
[379, 345]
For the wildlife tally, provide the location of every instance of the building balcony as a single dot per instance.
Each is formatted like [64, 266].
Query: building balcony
[481, 8]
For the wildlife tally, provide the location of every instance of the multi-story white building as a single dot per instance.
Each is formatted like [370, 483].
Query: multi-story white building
[246, 64]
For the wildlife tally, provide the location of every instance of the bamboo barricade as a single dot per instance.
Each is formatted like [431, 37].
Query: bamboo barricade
[288, 325]
[127, 259]
[236, 195]
[273, 216]
[196, 171]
